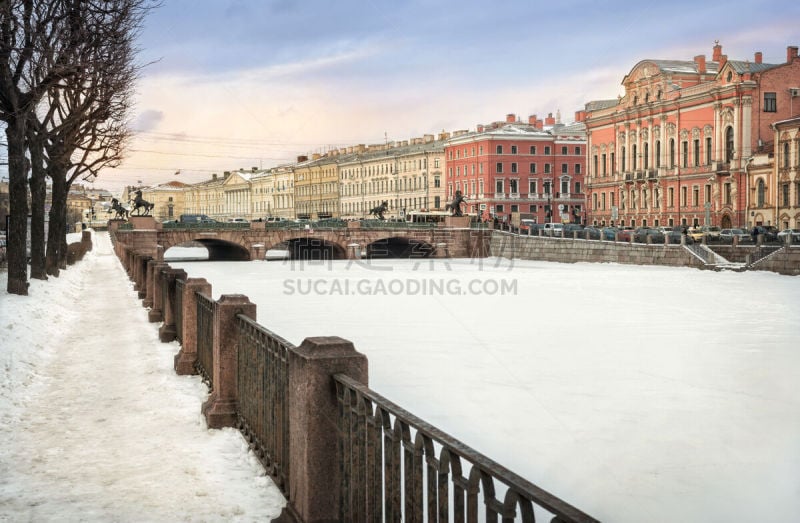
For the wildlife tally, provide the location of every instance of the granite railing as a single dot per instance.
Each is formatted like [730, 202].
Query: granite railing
[338, 450]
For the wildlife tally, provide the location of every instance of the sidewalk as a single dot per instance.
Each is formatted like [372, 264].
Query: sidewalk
[94, 423]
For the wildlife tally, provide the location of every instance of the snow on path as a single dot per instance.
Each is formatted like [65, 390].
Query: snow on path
[96, 426]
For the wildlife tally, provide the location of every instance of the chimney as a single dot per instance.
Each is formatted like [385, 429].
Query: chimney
[444, 135]
[532, 119]
[428, 138]
[214, 176]
[302, 158]
[479, 128]
[580, 116]
[538, 124]
[226, 174]
[510, 118]
[315, 156]
[717, 56]
[759, 57]
[722, 61]
[700, 60]
[549, 120]
[791, 53]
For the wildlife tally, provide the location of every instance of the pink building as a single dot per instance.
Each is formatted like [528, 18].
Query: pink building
[534, 168]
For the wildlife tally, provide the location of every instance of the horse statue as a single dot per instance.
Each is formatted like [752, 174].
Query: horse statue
[379, 210]
[455, 205]
[122, 212]
[140, 203]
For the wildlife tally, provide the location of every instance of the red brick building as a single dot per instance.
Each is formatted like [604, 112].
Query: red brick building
[535, 167]
[676, 147]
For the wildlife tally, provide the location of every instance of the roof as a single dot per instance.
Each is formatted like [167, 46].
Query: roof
[597, 105]
[750, 67]
[683, 66]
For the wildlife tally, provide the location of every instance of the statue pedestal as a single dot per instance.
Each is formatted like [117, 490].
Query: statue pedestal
[142, 222]
[460, 222]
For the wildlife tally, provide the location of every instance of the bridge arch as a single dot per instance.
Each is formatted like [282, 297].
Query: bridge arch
[399, 247]
[313, 248]
[218, 249]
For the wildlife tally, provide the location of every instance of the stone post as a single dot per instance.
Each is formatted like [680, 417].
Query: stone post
[187, 356]
[156, 313]
[167, 332]
[86, 240]
[148, 278]
[220, 408]
[735, 241]
[313, 430]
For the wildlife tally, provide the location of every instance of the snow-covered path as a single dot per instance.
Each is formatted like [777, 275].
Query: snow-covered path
[94, 423]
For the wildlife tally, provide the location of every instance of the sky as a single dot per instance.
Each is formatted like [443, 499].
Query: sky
[254, 83]
[95, 424]
[636, 393]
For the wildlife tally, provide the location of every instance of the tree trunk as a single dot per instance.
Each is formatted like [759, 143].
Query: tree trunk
[38, 194]
[56, 234]
[18, 196]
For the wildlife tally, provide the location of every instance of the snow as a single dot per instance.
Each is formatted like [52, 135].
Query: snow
[635, 393]
[95, 424]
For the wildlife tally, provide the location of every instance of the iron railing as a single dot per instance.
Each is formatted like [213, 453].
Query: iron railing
[177, 310]
[263, 392]
[205, 342]
[390, 474]
[206, 225]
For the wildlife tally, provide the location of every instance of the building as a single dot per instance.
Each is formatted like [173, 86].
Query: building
[168, 200]
[675, 149]
[316, 187]
[535, 167]
[775, 180]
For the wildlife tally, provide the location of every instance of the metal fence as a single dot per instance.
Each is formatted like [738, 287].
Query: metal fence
[392, 474]
[263, 390]
[205, 338]
[177, 310]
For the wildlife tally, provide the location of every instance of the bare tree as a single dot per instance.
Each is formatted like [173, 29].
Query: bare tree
[30, 30]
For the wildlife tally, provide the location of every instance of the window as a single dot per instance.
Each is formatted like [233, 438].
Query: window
[785, 156]
[708, 193]
[533, 149]
[564, 150]
[513, 149]
[577, 187]
[761, 193]
[708, 150]
[498, 186]
[684, 194]
[546, 149]
[594, 159]
[696, 152]
[785, 195]
[498, 207]
[515, 208]
[531, 186]
[671, 197]
[513, 185]
[547, 187]
[658, 153]
[695, 196]
[577, 168]
[547, 168]
[613, 165]
[604, 164]
[672, 152]
[532, 209]
[622, 153]
[577, 151]
[564, 168]
[533, 168]
[437, 182]
[513, 167]
[684, 153]
[499, 167]
[646, 155]
[565, 186]
[436, 163]
[770, 103]
[499, 149]
[729, 144]
[727, 193]
[635, 157]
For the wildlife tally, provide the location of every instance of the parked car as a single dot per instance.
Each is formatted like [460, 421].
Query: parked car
[195, 218]
[727, 235]
[711, 232]
[592, 232]
[626, 234]
[770, 232]
[784, 235]
[553, 229]
[571, 228]
[610, 233]
[641, 234]
[236, 220]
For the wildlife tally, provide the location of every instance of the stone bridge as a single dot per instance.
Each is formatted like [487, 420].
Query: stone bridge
[252, 241]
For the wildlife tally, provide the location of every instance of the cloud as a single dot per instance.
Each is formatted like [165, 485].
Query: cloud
[148, 120]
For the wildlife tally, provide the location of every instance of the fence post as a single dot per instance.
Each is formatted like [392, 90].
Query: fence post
[156, 313]
[148, 283]
[187, 356]
[314, 473]
[167, 332]
[220, 408]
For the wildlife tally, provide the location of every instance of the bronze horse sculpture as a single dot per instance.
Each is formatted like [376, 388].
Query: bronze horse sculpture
[379, 210]
[122, 212]
[455, 205]
[140, 203]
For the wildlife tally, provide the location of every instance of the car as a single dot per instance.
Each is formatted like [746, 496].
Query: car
[236, 220]
[786, 233]
[770, 232]
[641, 235]
[727, 235]
[195, 218]
[625, 234]
[711, 232]
[553, 229]
[593, 233]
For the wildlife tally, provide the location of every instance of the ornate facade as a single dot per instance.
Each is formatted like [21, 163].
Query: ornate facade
[775, 180]
[676, 148]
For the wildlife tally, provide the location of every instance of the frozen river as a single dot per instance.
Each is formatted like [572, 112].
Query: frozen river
[634, 393]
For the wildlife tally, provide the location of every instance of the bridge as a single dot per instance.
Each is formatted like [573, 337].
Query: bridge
[317, 241]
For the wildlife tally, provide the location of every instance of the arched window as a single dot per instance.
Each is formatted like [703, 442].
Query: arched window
[786, 155]
[761, 190]
[658, 153]
[729, 144]
[646, 155]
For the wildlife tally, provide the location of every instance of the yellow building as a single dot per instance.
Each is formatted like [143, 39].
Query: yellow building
[316, 187]
[168, 200]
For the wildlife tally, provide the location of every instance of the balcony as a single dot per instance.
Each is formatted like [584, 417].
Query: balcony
[499, 195]
[514, 196]
[628, 177]
[652, 174]
[721, 168]
[639, 175]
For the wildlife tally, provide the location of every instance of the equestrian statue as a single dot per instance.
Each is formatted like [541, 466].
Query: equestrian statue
[379, 210]
[122, 212]
[140, 203]
[455, 205]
